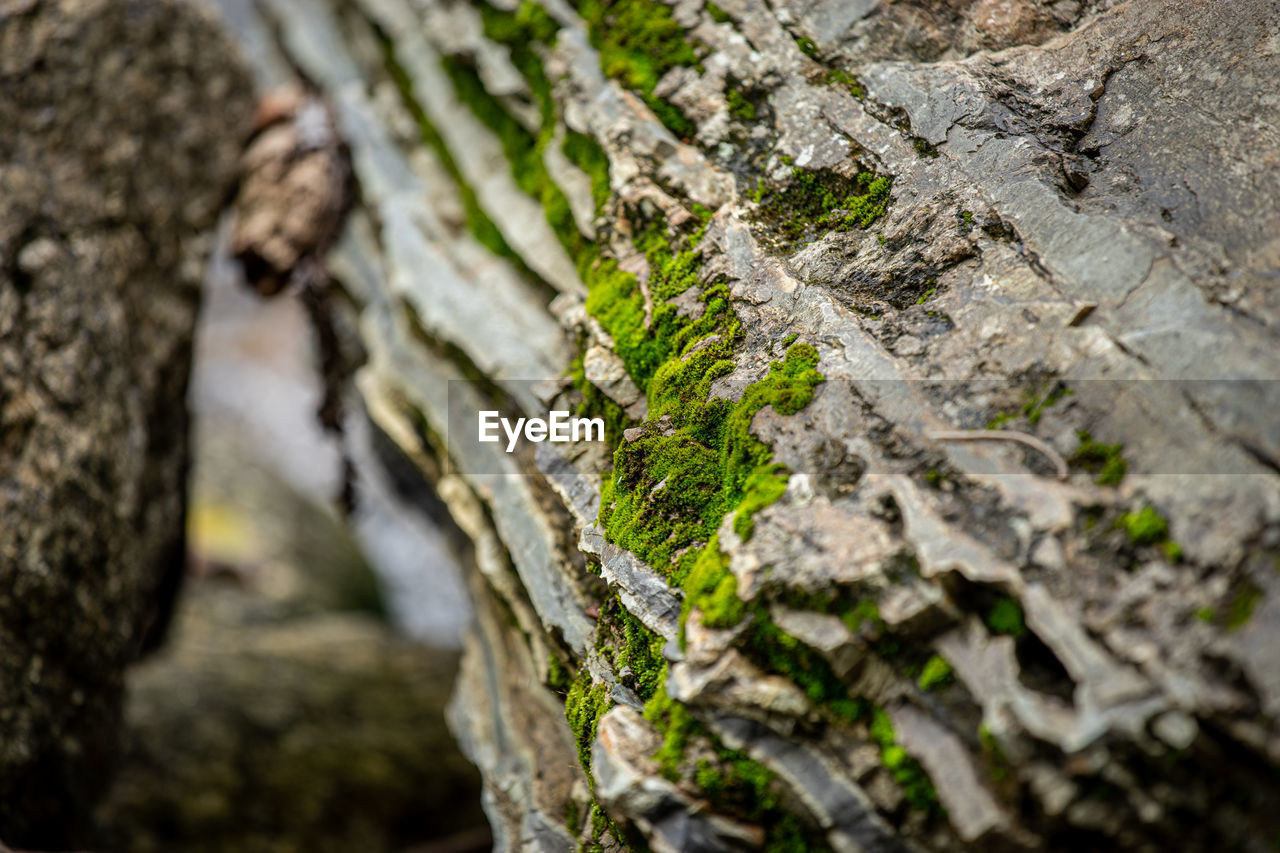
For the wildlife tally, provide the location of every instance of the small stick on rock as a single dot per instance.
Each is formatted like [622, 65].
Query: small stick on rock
[1003, 435]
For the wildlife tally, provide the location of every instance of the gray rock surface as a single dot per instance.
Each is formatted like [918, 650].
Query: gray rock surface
[122, 123]
[936, 643]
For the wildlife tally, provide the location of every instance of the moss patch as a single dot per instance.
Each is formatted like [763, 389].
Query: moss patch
[936, 674]
[1145, 526]
[906, 771]
[1005, 617]
[1104, 461]
[583, 708]
[639, 42]
[811, 203]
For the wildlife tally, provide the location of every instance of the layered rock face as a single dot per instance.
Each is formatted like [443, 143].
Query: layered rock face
[936, 345]
[122, 123]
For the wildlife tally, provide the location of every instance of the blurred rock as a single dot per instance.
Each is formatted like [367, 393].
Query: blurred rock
[285, 715]
[122, 123]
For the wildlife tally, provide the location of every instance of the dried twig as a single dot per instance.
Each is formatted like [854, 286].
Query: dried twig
[1003, 435]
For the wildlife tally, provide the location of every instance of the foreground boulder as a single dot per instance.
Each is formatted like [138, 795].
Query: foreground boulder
[121, 124]
[936, 345]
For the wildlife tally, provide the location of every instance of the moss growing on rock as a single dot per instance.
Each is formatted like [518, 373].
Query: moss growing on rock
[906, 771]
[1145, 526]
[583, 708]
[812, 203]
[1105, 461]
[639, 42]
[936, 674]
[1005, 617]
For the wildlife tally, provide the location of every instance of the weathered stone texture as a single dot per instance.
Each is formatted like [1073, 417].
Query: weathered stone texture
[1079, 244]
[120, 125]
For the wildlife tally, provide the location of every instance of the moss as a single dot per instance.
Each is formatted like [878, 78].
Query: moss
[523, 150]
[720, 16]
[782, 653]
[739, 106]
[924, 147]
[906, 771]
[811, 203]
[573, 817]
[928, 293]
[807, 46]
[1105, 461]
[1240, 609]
[1205, 614]
[839, 77]
[668, 492]
[639, 42]
[529, 23]
[1033, 408]
[677, 726]
[559, 678]
[587, 155]
[595, 403]
[1005, 617]
[789, 339]
[937, 673]
[641, 653]
[475, 219]
[713, 589]
[1145, 526]
[583, 708]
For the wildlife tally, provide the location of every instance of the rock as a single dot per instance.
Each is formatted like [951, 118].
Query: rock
[284, 713]
[319, 733]
[1054, 249]
[123, 123]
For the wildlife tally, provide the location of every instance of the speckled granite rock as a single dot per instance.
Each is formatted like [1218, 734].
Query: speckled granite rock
[1051, 223]
[122, 123]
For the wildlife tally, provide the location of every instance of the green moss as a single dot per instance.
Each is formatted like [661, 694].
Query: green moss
[670, 491]
[1240, 609]
[1000, 420]
[475, 219]
[1105, 461]
[782, 653]
[739, 106]
[523, 150]
[789, 339]
[677, 726]
[1145, 527]
[639, 41]
[1034, 408]
[559, 678]
[811, 203]
[641, 653]
[583, 708]
[924, 147]
[595, 403]
[587, 155]
[720, 16]
[573, 817]
[937, 673]
[840, 77]
[906, 771]
[1205, 614]
[1005, 617]
[713, 589]
[529, 23]
[807, 46]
